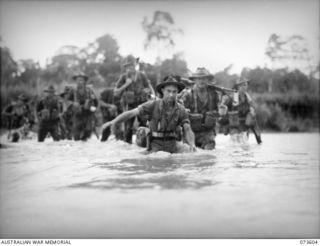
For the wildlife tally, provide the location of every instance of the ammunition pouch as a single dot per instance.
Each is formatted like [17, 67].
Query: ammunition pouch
[233, 118]
[196, 121]
[142, 136]
[55, 114]
[223, 110]
[210, 119]
[44, 114]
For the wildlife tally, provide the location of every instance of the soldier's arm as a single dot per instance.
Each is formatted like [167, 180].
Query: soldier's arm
[106, 105]
[189, 136]
[121, 87]
[121, 118]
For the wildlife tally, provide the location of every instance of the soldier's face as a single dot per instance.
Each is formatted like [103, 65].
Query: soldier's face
[170, 93]
[20, 102]
[202, 82]
[81, 82]
[130, 69]
[243, 87]
[50, 94]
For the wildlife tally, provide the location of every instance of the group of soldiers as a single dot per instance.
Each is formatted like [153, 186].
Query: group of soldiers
[179, 109]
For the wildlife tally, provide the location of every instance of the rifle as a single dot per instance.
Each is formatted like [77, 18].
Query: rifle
[222, 89]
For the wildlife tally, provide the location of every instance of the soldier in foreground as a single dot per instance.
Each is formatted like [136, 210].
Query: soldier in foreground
[164, 115]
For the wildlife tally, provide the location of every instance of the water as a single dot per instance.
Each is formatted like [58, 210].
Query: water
[90, 189]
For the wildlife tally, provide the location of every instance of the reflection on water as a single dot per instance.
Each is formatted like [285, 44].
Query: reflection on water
[145, 173]
[116, 190]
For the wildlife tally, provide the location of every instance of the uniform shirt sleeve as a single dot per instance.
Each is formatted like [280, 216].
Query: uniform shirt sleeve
[146, 108]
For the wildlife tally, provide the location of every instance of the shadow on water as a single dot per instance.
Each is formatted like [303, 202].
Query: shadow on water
[154, 173]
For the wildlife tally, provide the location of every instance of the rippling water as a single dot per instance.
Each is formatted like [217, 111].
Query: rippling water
[90, 189]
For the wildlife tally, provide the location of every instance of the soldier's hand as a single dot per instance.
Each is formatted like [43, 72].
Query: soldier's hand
[106, 125]
[252, 111]
[128, 81]
[192, 148]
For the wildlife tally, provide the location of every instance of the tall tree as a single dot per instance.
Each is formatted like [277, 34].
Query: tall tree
[160, 34]
[9, 68]
[292, 51]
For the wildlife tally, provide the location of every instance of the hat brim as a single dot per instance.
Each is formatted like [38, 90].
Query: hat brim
[131, 63]
[210, 76]
[242, 82]
[179, 85]
[24, 99]
[186, 81]
[85, 77]
[50, 91]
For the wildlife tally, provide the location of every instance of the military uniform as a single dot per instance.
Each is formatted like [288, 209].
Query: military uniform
[83, 115]
[134, 95]
[67, 98]
[109, 112]
[203, 113]
[163, 124]
[48, 110]
[17, 114]
[241, 116]
[203, 110]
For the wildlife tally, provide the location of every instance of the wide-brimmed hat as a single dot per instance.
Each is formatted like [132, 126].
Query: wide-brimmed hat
[183, 80]
[241, 81]
[130, 60]
[80, 75]
[50, 89]
[201, 72]
[170, 80]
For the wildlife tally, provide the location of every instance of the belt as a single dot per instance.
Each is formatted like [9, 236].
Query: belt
[163, 135]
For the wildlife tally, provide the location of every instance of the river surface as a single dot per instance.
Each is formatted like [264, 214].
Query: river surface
[90, 189]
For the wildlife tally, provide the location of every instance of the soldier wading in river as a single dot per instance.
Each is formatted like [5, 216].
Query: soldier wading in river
[85, 104]
[48, 110]
[202, 103]
[133, 87]
[164, 116]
